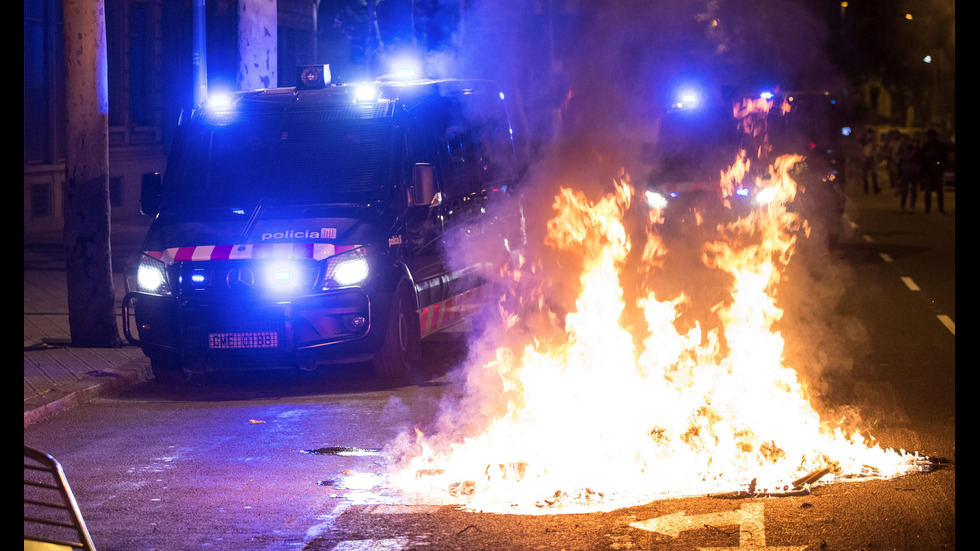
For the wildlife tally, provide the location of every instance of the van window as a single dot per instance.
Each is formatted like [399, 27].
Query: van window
[492, 150]
[273, 159]
[694, 146]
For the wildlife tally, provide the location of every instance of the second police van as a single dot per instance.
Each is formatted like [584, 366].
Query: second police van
[318, 224]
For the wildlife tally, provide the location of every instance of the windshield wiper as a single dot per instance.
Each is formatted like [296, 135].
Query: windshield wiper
[252, 219]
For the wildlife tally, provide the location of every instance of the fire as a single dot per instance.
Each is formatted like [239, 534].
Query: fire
[599, 410]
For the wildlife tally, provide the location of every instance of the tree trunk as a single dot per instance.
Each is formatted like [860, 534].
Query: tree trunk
[91, 299]
[257, 44]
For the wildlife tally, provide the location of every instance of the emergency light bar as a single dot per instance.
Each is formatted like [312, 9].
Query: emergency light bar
[366, 94]
[313, 77]
[686, 99]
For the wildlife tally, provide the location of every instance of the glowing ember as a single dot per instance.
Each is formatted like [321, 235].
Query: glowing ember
[593, 411]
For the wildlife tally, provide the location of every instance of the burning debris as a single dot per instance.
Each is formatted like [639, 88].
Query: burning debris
[666, 409]
[585, 496]
[814, 476]
[344, 450]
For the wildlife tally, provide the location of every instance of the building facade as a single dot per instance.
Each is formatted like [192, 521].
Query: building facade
[150, 49]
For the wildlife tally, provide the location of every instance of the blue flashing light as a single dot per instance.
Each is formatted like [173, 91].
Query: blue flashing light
[404, 67]
[285, 275]
[219, 108]
[365, 93]
[405, 73]
[219, 102]
[687, 99]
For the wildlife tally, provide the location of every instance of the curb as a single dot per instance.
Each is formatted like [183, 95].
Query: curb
[102, 383]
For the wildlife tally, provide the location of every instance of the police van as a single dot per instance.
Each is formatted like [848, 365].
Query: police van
[322, 223]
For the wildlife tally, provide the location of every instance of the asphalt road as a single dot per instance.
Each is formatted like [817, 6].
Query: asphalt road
[254, 461]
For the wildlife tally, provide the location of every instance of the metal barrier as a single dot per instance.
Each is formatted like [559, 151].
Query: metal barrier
[52, 519]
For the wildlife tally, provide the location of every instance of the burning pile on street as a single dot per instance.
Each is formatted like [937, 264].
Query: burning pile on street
[615, 402]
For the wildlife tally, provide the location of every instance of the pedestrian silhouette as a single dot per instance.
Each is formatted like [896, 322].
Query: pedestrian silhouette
[909, 169]
[934, 158]
[869, 160]
[890, 151]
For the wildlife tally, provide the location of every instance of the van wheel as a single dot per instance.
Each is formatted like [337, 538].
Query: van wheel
[401, 353]
[169, 370]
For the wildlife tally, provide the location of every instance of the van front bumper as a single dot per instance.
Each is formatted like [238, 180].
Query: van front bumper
[336, 327]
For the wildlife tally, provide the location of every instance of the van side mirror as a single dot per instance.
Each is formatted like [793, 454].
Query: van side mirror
[424, 191]
[151, 188]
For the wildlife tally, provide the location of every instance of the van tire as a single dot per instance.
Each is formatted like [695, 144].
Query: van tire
[169, 370]
[400, 355]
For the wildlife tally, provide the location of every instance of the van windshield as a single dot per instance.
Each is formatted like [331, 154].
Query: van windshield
[271, 158]
[694, 146]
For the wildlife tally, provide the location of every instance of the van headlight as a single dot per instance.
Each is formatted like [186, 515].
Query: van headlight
[765, 196]
[346, 269]
[151, 277]
[656, 200]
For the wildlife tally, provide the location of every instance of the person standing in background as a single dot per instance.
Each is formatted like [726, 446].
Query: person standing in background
[869, 160]
[890, 151]
[909, 169]
[933, 157]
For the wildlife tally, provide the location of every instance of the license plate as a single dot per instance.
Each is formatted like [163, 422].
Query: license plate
[243, 340]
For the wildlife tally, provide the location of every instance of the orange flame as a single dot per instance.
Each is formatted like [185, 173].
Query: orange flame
[597, 413]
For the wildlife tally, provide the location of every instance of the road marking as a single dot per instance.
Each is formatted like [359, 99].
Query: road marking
[326, 521]
[389, 544]
[948, 323]
[886, 258]
[867, 238]
[910, 283]
[749, 518]
[401, 509]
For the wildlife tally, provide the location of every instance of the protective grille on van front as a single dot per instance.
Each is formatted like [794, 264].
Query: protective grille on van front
[248, 279]
[348, 111]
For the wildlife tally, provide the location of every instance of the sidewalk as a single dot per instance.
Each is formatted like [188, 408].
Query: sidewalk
[58, 377]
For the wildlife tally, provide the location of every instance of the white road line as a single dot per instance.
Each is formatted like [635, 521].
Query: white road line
[326, 521]
[910, 283]
[388, 544]
[948, 323]
[398, 509]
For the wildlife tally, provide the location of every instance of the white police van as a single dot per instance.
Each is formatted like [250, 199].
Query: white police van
[316, 224]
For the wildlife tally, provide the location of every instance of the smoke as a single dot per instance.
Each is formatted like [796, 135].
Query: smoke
[586, 83]
[824, 342]
[618, 62]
